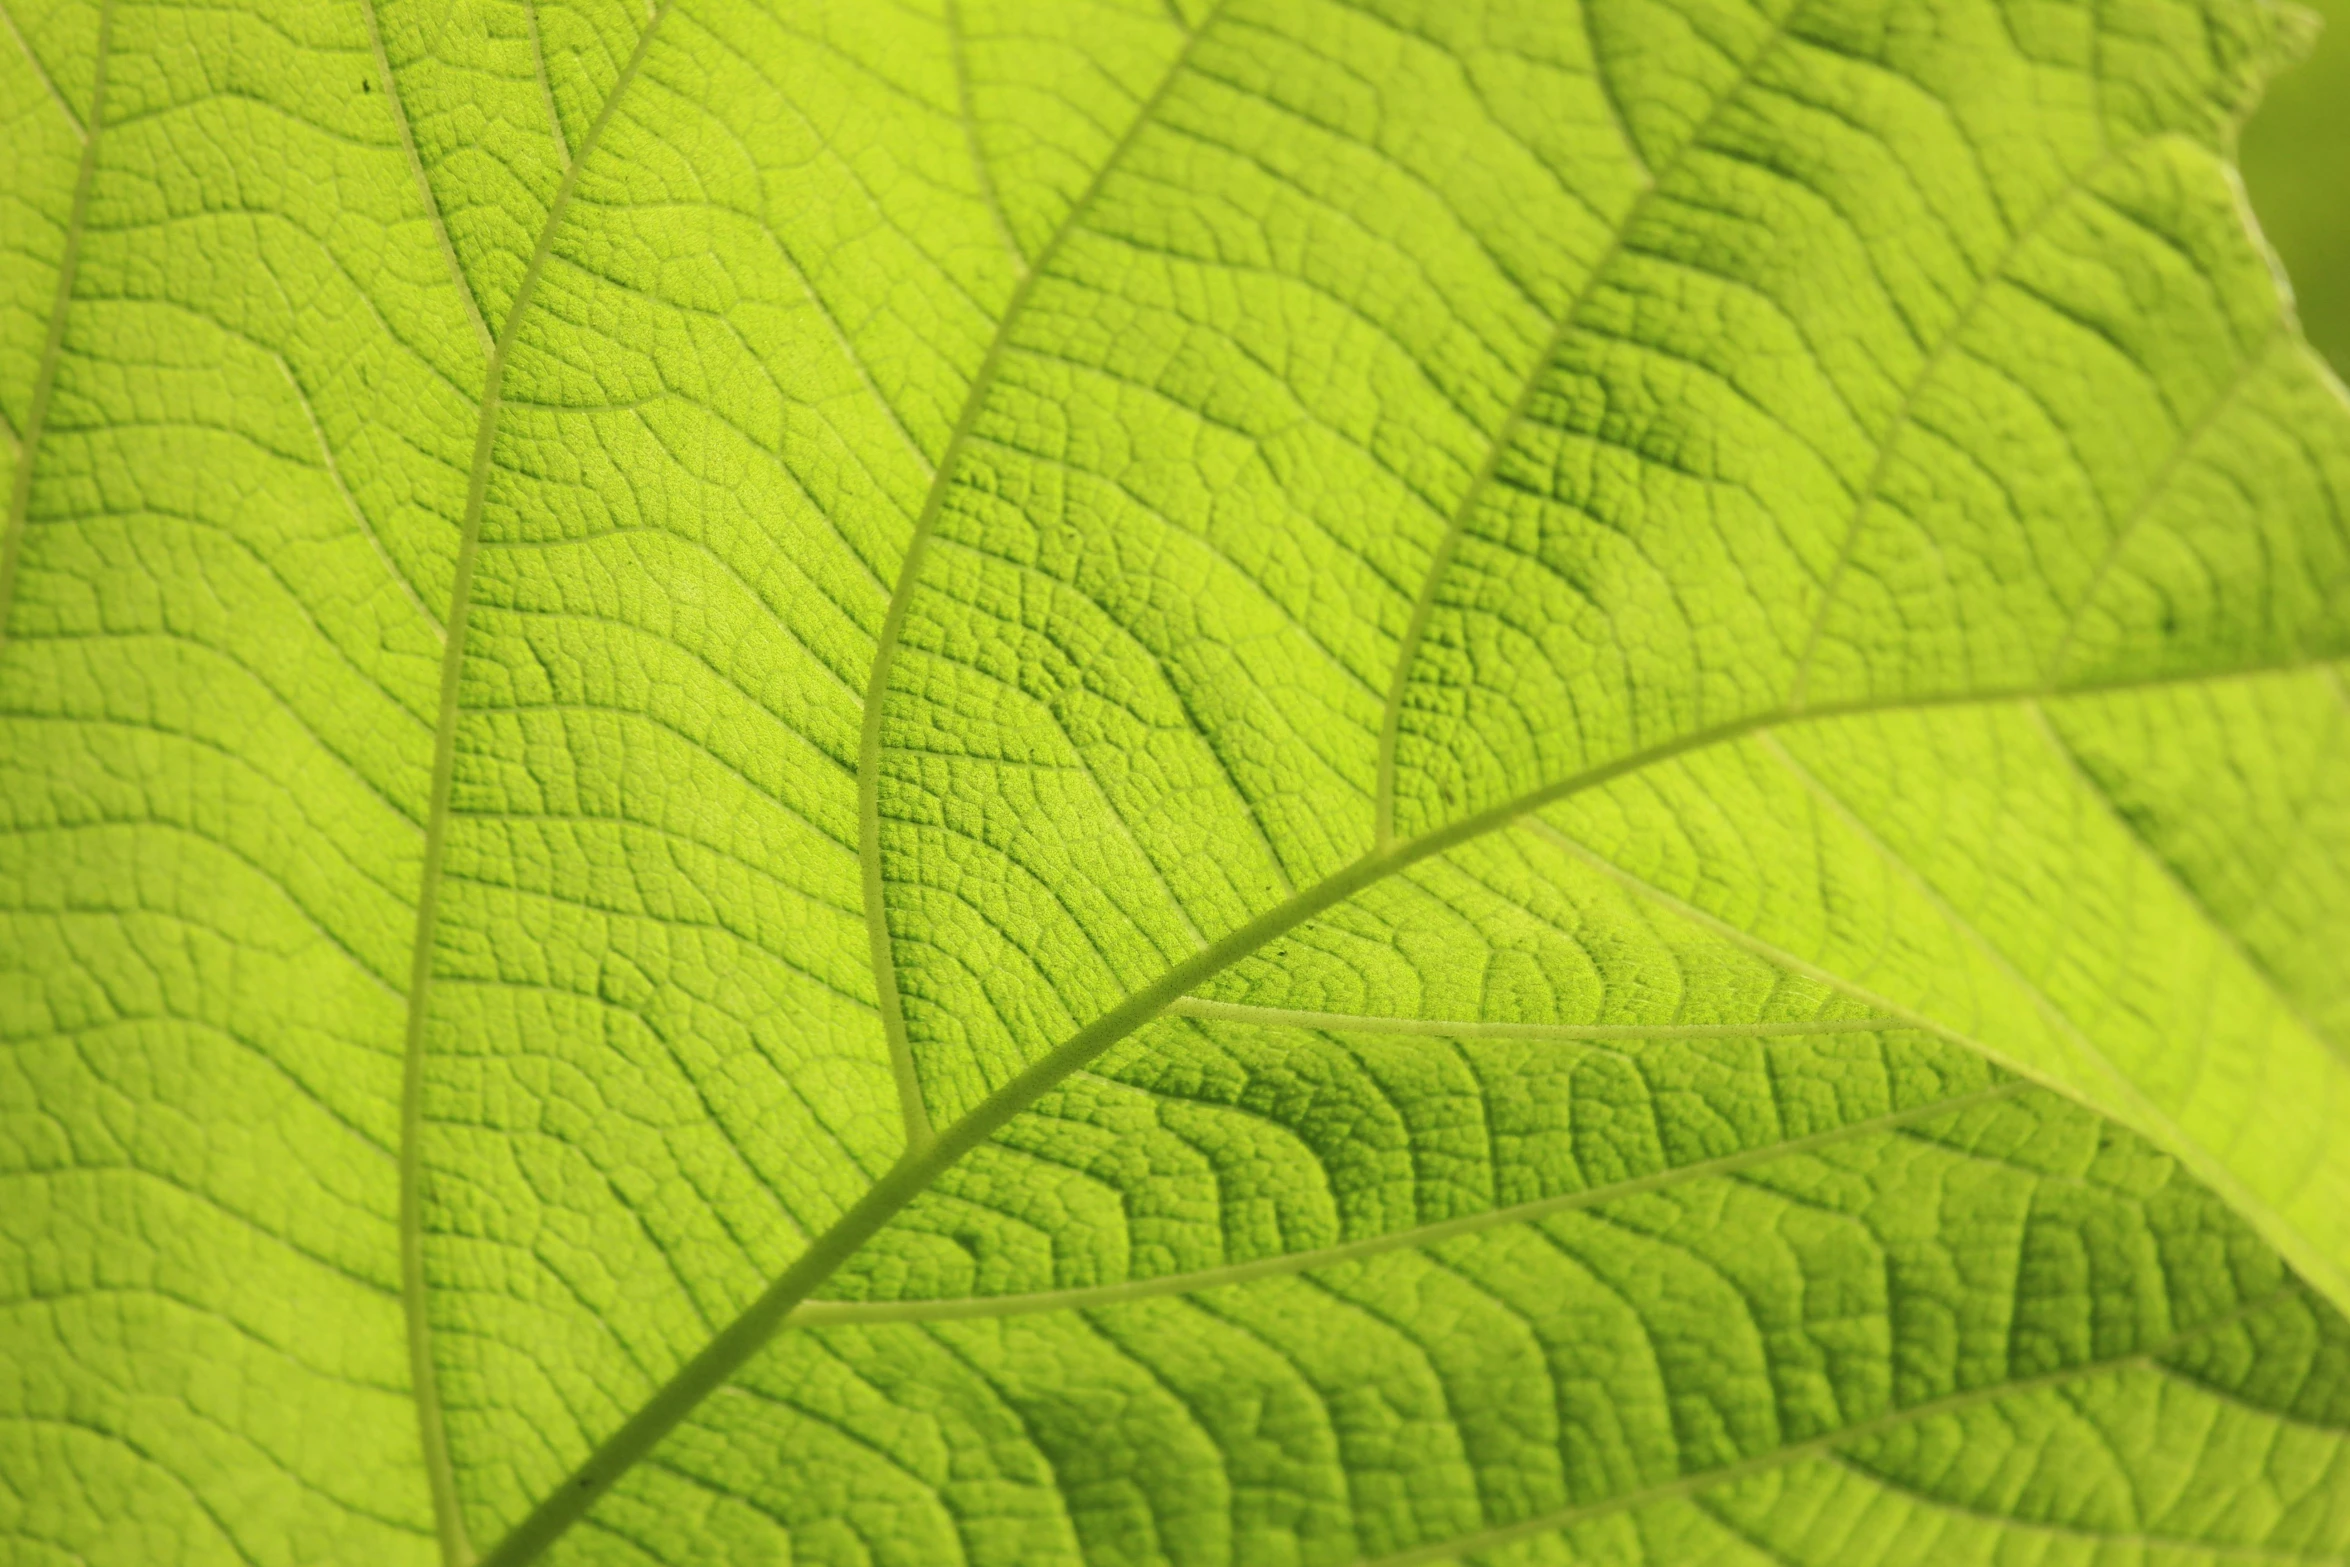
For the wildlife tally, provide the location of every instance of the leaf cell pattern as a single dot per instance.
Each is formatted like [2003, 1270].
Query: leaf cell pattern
[1239, 784]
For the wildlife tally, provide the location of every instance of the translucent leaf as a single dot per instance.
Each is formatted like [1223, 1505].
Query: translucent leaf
[1240, 785]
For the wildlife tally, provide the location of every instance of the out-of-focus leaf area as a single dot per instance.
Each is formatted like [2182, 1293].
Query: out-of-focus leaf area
[2296, 158]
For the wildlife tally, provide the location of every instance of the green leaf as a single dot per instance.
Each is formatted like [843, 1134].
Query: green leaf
[1262, 783]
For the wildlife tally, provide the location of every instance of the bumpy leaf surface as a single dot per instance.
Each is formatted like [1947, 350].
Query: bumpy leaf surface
[1249, 784]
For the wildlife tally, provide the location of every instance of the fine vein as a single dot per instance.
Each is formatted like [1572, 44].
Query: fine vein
[2151, 1118]
[2159, 485]
[2139, 1538]
[1456, 527]
[538, 56]
[81, 129]
[432, 206]
[334, 473]
[959, 42]
[2170, 873]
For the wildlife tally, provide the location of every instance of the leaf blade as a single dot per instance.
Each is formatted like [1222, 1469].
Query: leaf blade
[1315, 477]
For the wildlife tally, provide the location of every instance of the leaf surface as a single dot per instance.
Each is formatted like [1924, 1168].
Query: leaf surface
[1254, 783]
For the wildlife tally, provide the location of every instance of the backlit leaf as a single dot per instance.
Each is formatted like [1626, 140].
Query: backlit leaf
[1271, 783]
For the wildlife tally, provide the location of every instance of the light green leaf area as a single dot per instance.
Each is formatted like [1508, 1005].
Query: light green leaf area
[1267, 784]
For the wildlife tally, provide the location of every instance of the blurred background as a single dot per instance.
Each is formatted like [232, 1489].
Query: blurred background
[2296, 158]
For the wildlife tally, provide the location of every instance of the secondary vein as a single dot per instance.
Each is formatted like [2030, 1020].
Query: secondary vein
[81, 129]
[733, 1346]
[1468, 1028]
[1817, 1447]
[1456, 527]
[432, 205]
[919, 1132]
[1889, 443]
[822, 1313]
[456, 1549]
[2158, 1121]
[20, 490]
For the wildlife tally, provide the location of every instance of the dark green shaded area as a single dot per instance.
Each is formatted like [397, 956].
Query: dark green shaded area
[2296, 159]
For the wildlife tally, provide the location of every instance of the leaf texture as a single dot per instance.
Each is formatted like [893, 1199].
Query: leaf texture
[1254, 783]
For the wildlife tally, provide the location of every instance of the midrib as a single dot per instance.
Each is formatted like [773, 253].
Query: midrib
[448, 1516]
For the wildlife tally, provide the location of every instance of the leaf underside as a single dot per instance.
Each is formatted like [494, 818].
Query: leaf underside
[1055, 781]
